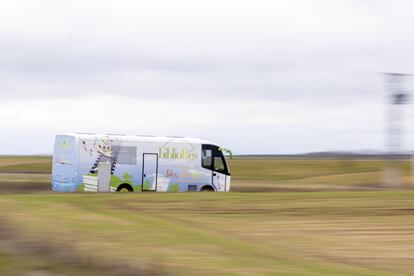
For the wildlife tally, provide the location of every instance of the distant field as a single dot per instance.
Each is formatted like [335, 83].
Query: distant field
[312, 174]
[25, 164]
[26, 174]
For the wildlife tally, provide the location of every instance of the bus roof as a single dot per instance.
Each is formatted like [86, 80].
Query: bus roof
[139, 138]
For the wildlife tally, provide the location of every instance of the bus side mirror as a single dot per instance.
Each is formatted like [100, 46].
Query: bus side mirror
[228, 151]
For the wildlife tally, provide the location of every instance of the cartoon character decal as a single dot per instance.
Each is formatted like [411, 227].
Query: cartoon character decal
[105, 150]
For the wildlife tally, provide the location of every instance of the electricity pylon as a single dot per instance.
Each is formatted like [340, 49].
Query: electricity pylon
[397, 98]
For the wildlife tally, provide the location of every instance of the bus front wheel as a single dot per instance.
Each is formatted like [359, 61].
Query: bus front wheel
[207, 189]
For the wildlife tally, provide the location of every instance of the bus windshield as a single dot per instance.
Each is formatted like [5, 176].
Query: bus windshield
[213, 159]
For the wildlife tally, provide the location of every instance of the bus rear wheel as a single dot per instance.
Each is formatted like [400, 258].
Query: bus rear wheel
[124, 188]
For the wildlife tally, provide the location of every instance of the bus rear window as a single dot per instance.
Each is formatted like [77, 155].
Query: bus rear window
[64, 150]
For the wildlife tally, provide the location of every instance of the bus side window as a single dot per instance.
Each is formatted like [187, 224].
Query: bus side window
[206, 158]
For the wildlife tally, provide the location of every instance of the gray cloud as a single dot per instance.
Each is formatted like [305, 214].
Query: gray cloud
[313, 55]
[333, 52]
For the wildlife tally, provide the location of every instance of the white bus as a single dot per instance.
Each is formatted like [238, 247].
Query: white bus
[118, 163]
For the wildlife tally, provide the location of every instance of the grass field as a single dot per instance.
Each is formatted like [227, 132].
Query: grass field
[324, 232]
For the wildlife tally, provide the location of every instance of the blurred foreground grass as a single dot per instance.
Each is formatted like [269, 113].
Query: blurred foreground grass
[327, 233]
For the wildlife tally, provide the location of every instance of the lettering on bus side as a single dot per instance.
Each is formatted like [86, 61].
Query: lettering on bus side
[174, 153]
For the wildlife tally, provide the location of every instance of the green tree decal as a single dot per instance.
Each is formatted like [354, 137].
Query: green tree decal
[174, 188]
[147, 185]
[81, 188]
[127, 177]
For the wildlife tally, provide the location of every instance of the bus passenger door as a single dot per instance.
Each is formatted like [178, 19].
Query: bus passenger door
[219, 181]
[219, 178]
[149, 172]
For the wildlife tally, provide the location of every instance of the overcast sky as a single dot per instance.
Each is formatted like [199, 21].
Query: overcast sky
[255, 76]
